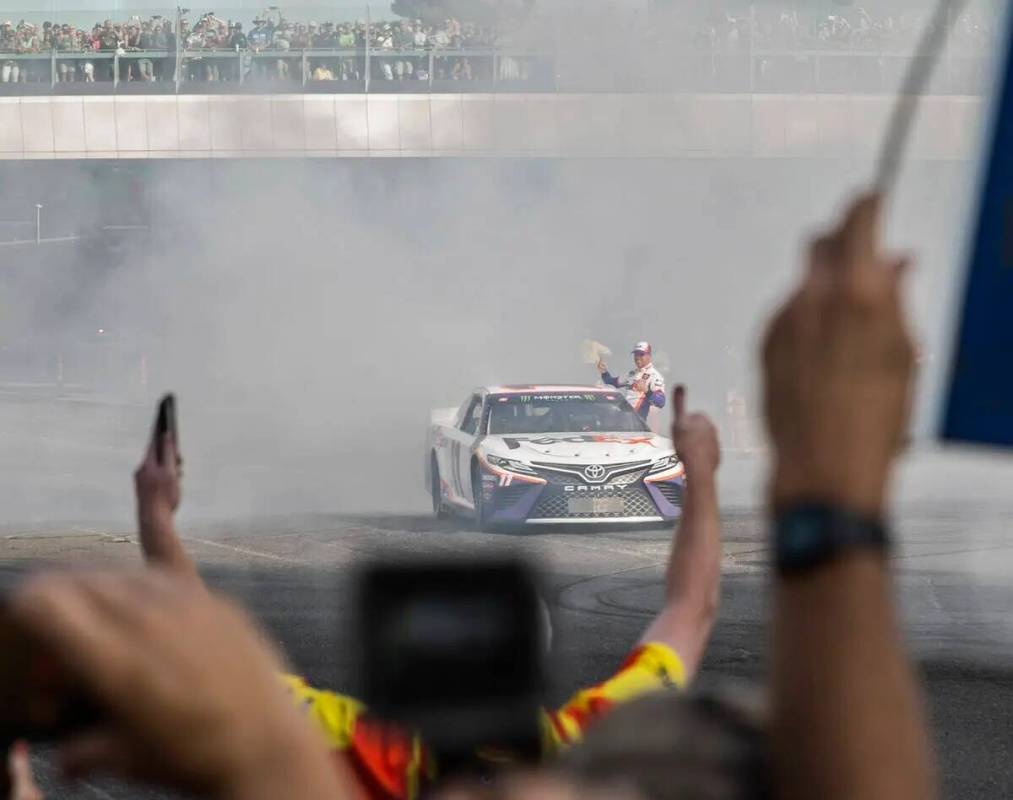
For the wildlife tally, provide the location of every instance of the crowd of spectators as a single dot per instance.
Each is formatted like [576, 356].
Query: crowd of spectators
[213, 49]
[209, 42]
[852, 27]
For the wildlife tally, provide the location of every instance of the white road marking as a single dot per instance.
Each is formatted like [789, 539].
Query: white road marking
[97, 791]
[247, 551]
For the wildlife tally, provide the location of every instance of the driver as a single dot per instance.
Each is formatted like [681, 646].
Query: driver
[644, 385]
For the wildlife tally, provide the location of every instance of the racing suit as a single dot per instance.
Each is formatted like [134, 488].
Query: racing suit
[641, 401]
[393, 764]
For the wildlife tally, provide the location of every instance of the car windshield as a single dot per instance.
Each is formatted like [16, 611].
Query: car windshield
[568, 412]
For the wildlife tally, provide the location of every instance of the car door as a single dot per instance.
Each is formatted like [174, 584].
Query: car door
[462, 437]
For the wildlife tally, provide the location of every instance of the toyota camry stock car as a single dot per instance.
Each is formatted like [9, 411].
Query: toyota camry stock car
[550, 454]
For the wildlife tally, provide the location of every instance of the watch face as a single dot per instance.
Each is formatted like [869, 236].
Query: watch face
[801, 537]
[809, 535]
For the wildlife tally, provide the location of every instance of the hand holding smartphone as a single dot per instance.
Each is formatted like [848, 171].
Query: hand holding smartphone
[165, 424]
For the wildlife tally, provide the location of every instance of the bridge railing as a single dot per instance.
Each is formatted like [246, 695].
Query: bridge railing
[359, 70]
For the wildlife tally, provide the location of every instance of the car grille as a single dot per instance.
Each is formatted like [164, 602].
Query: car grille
[508, 495]
[636, 503]
[553, 476]
[672, 492]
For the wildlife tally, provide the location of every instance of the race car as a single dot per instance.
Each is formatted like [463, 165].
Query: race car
[514, 455]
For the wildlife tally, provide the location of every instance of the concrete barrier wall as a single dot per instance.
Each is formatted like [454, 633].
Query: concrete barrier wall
[634, 125]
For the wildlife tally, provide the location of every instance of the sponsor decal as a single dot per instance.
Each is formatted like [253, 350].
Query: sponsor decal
[579, 438]
[558, 397]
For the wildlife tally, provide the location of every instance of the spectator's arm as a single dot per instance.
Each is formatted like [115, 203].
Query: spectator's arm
[848, 721]
[693, 576]
[20, 782]
[202, 712]
[157, 489]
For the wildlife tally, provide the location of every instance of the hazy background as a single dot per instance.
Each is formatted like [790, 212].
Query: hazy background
[310, 313]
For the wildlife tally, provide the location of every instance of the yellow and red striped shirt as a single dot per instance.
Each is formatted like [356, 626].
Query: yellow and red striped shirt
[393, 764]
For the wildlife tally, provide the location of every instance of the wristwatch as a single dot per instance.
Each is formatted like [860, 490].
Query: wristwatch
[811, 534]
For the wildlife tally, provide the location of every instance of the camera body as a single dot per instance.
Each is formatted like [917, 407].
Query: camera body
[454, 650]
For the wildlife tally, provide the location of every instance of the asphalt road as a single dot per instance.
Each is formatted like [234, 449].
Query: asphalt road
[603, 586]
[64, 497]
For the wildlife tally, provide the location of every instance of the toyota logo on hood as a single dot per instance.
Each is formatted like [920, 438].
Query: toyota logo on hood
[594, 472]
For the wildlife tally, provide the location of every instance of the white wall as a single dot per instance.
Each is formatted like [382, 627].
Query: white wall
[634, 125]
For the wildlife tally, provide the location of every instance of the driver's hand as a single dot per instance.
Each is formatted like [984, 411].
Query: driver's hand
[602, 367]
[640, 386]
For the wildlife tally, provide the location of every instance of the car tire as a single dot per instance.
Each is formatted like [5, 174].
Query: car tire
[481, 514]
[440, 510]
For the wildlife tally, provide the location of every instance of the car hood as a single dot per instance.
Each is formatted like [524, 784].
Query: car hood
[582, 448]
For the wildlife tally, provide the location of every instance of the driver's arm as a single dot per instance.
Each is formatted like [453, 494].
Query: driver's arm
[693, 577]
[656, 394]
[610, 379]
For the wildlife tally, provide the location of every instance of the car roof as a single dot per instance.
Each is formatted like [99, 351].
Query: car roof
[547, 387]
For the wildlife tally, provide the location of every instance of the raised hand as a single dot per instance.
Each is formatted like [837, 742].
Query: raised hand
[157, 485]
[695, 437]
[838, 364]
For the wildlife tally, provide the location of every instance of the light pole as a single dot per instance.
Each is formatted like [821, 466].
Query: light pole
[38, 223]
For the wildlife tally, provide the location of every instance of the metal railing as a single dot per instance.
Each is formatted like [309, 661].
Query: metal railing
[331, 70]
[472, 69]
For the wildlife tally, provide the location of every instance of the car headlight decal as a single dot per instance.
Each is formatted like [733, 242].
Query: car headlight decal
[511, 465]
[663, 464]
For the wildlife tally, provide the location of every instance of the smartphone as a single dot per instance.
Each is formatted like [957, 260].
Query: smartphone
[38, 699]
[165, 423]
[455, 651]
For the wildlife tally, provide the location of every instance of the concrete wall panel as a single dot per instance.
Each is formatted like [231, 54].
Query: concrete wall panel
[163, 124]
[11, 139]
[225, 124]
[194, 123]
[478, 122]
[413, 119]
[678, 126]
[446, 122]
[68, 124]
[320, 128]
[352, 122]
[99, 124]
[382, 122]
[37, 125]
[131, 124]
[256, 123]
[543, 130]
[288, 122]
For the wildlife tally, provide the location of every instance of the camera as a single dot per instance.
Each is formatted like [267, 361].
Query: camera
[455, 651]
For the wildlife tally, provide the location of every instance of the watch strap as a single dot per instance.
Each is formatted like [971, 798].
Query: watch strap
[807, 535]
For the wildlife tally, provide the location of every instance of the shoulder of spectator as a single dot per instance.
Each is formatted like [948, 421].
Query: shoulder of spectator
[650, 667]
[333, 714]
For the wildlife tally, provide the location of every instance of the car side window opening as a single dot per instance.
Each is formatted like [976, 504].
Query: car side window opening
[470, 423]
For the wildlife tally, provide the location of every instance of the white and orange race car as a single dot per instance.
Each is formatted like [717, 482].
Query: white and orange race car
[550, 454]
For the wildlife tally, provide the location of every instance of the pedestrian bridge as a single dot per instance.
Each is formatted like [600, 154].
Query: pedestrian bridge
[475, 124]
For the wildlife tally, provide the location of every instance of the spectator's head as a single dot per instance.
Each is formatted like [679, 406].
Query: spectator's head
[674, 746]
[642, 354]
